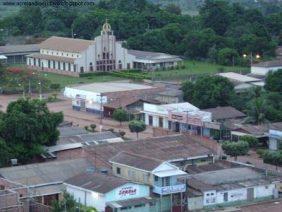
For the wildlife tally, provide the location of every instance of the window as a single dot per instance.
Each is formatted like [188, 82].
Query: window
[156, 178]
[118, 170]
[49, 65]
[54, 64]
[59, 65]
[64, 66]
[128, 65]
[69, 67]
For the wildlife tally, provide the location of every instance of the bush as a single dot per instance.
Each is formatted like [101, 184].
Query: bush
[260, 152]
[93, 127]
[252, 141]
[55, 86]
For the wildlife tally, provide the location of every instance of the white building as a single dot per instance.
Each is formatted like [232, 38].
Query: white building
[92, 97]
[73, 56]
[99, 190]
[231, 185]
[179, 117]
[264, 68]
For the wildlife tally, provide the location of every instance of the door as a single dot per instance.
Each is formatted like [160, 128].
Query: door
[225, 197]
[177, 126]
[250, 194]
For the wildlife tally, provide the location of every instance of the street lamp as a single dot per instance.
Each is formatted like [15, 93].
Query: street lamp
[251, 58]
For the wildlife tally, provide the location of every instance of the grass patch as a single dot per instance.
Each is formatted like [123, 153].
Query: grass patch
[195, 68]
[69, 80]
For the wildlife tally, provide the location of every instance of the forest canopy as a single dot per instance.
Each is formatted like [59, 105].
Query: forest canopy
[221, 32]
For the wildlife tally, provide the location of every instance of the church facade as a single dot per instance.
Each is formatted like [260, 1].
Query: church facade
[103, 54]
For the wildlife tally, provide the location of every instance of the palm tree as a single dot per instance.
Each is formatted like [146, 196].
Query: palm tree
[256, 110]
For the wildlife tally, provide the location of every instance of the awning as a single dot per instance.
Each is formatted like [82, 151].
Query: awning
[3, 57]
[169, 173]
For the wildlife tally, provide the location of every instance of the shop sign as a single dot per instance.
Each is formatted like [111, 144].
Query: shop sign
[212, 125]
[127, 191]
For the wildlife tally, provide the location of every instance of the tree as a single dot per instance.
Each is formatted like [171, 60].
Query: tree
[256, 110]
[137, 127]
[27, 126]
[235, 149]
[273, 81]
[209, 91]
[252, 141]
[174, 9]
[69, 204]
[227, 56]
[274, 158]
[120, 115]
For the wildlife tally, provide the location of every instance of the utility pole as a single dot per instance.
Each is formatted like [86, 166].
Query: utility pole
[101, 108]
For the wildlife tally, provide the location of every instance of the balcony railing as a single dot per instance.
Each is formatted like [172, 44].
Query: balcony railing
[169, 189]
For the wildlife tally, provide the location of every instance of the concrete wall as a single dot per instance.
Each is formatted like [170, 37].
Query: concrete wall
[132, 174]
[195, 203]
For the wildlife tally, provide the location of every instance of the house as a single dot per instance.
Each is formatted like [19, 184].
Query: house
[44, 181]
[263, 68]
[133, 105]
[221, 117]
[179, 117]
[224, 183]
[259, 131]
[170, 96]
[275, 136]
[106, 192]
[165, 178]
[73, 139]
[16, 54]
[242, 82]
[71, 56]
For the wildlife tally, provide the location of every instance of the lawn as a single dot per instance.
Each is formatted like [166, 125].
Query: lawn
[193, 68]
[68, 80]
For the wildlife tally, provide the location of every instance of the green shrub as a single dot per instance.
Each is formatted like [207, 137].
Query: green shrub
[252, 141]
[260, 152]
[55, 86]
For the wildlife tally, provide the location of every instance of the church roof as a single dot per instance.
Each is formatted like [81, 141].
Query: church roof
[66, 44]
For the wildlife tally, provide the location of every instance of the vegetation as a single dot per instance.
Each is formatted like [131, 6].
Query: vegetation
[273, 157]
[69, 204]
[120, 115]
[25, 128]
[235, 149]
[208, 91]
[221, 32]
[273, 81]
[136, 126]
[252, 141]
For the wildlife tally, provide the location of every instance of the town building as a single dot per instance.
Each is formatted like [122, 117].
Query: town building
[16, 54]
[73, 139]
[106, 192]
[44, 181]
[221, 118]
[258, 131]
[93, 97]
[263, 68]
[225, 183]
[275, 136]
[103, 54]
[179, 117]
[242, 82]
[170, 96]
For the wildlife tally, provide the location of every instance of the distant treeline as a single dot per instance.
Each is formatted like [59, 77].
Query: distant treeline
[221, 32]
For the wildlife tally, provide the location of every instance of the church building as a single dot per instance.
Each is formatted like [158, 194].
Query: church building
[71, 56]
